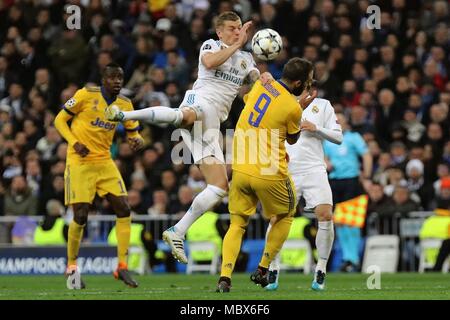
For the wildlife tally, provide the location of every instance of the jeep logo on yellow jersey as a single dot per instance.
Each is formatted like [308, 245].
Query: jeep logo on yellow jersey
[103, 124]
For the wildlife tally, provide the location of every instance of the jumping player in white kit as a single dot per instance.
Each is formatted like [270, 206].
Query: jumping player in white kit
[309, 172]
[222, 70]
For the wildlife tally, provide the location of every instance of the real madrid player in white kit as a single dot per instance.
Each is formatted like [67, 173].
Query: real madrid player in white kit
[309, 172]
[222, 69]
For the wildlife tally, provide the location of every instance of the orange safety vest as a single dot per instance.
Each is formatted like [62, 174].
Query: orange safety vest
[352, 212]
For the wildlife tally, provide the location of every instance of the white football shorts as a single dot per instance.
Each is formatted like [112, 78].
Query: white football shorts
[205, 138]
[314, 187]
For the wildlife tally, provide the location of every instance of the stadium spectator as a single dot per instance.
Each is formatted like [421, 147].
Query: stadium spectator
[16, 99]
[68, 54]
[160, 204]
[196, 181]
[140, 184]
[135, 202]
[401, 202]
[380, 174]
[378, 201]
[183, 202]
[52, 188]
[421, 190]
[19, 198]
[5, 76]
[48, 143]
[414, 128]
[33, 175]
[169, 185]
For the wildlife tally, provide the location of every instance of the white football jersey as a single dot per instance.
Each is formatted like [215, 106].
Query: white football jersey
[221, 85]
[306, 155]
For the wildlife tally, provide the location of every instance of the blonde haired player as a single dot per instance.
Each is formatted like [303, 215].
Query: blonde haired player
[270, 117]
[90, 169]
[222, 70]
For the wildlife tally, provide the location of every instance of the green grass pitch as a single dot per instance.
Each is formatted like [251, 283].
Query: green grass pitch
[293, 286]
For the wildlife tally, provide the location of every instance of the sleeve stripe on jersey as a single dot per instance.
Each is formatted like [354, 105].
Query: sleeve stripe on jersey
[69, 112]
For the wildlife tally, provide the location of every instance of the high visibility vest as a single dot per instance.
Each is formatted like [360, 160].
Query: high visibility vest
[134, 260]
[352, 212]
[53, 236]
[442, 212]
[204, 229]
[437, 227]
[295, 257]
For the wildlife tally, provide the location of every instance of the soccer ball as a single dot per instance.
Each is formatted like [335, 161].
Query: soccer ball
[267, 44]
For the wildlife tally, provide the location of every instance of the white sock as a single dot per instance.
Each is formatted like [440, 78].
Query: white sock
[156, 115]
[203, 202]
[275, 263]
[324, 243]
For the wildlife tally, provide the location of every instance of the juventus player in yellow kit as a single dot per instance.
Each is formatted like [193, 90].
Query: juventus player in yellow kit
[90, 168]
[270, 117]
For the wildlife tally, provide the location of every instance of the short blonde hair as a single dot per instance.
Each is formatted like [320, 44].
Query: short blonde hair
[226, 16]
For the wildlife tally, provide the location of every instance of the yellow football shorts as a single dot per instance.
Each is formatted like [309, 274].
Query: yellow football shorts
[276, 196]
[84, 180]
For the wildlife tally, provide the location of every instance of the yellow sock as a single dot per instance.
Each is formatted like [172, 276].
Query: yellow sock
[75, 235]
[123, 229]
[232, 243]
[275, 239]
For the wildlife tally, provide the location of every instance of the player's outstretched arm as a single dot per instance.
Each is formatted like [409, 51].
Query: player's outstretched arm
[215, 59]
[332, 135]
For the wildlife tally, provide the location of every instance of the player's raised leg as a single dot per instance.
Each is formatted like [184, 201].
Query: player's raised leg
[324, 244]
[75, 235]
[123, 229]
[177, 117]
[215, 174]
[153, 115]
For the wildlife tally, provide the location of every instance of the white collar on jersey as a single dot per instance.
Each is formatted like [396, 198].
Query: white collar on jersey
[223, 44]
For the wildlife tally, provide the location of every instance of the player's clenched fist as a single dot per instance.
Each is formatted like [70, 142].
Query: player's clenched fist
[266, 77]
[306, 125]
[306, 98]
[81, 149]
[136, 143]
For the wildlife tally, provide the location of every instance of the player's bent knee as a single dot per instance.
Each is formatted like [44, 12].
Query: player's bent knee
[238, 228]
[189, 117]
[219, 189]
[123, 211]
[80, 213]
[224, 187]
[323, 213]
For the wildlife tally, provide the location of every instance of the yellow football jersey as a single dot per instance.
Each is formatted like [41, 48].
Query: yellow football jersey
[90, 126]
[270, 113]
